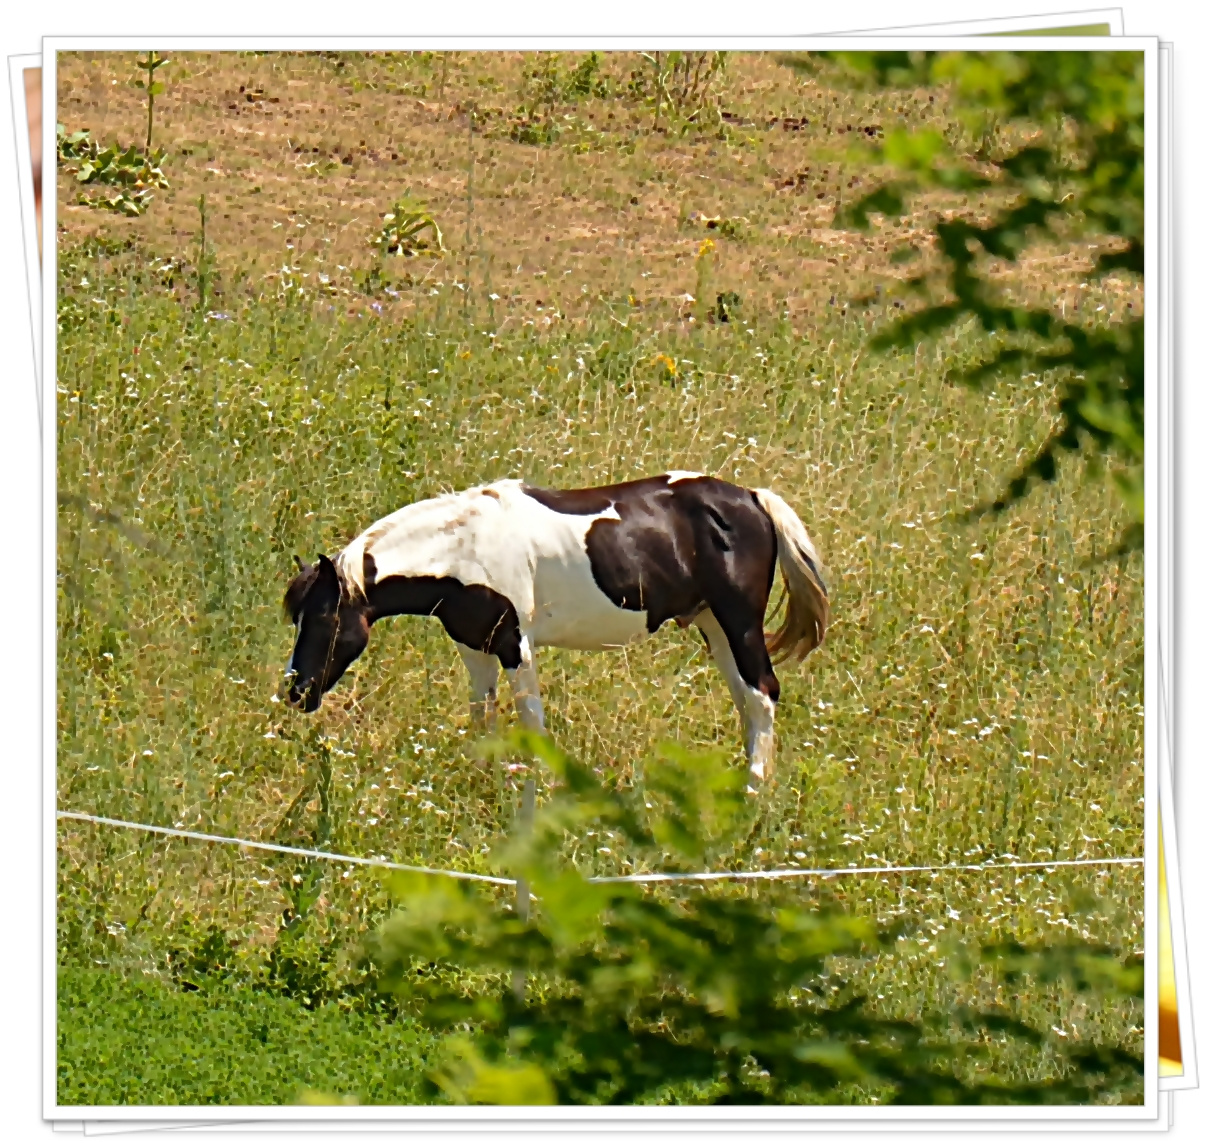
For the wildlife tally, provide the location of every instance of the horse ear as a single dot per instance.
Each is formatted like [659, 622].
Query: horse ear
[324, 590]
[303, 567]
[326, 583]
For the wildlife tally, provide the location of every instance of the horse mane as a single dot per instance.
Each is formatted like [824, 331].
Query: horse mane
[350, 563]
[296, 591]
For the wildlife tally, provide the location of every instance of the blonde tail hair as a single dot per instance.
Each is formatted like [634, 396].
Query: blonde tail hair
[808, 614]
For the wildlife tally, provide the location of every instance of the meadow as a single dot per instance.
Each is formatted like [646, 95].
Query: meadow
[624, 290]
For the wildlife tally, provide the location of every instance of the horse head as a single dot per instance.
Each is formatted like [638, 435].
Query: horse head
[332, 631]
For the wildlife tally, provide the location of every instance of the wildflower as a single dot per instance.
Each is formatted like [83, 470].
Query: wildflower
[667, 363]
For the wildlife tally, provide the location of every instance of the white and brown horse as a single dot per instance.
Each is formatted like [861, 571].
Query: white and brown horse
[508, 568]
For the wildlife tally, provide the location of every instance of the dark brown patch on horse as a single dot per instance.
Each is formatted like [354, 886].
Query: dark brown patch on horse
[584, 501]
[678, 547]
[473, 614]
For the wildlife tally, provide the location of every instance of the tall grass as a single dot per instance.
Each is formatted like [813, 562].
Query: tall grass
[979, 693]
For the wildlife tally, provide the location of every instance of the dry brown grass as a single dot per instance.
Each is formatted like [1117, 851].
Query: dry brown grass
[301, 155]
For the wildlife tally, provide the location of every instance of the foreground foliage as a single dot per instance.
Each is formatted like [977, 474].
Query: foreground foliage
[722, 997]
[1049, 149]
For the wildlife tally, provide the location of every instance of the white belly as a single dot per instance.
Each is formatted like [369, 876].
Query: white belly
[570, 611]
[586, 624]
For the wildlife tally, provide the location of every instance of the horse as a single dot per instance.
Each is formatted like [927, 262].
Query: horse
[508, 567]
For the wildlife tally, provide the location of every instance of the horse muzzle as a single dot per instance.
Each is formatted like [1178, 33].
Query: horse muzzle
[304, 696]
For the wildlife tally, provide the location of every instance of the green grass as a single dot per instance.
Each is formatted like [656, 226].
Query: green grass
[140, 1041]
[980, 692]
[978, 695]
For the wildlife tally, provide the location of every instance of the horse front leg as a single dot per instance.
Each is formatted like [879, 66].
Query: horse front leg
[755, 708]
[526, 689]
[483, 670]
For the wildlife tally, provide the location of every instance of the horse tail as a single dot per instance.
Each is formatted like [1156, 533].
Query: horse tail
[808, 614]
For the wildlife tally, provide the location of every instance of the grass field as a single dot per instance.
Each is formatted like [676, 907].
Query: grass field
[223, 407]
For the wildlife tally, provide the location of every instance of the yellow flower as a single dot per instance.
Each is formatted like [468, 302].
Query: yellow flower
[706, 247]
[668, 363]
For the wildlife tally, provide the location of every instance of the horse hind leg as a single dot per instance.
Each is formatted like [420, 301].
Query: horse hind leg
[483, 672]
[755, 706]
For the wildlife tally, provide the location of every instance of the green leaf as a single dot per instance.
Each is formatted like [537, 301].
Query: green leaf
[467, 1078]
[888, 200]
[913, 150]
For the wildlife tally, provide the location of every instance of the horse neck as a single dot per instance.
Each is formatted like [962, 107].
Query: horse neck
[405, 595]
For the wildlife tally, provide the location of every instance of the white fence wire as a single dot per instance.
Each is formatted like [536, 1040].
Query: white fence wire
[1002, 863]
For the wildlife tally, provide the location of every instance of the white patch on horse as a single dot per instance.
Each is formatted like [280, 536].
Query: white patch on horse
[760, 732]
[499, 537]
[677, 474]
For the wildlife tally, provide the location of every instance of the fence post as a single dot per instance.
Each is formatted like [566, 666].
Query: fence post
[522, 896]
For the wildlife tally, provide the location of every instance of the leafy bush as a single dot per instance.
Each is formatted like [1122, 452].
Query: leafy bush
[402, 227]
[722, 995]
[681, 83]
[133, 173]
[586, 80]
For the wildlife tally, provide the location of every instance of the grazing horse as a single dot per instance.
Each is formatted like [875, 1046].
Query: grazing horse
[508, 568]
